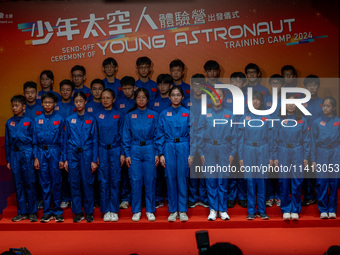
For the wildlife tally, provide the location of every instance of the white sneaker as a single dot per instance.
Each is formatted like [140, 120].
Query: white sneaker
[294, 216]
[114, 216]
[286, 216]
[136, 216]
[331, 215]
[64, 205]
[323, 215]
[107, 217]
[172, 216]
[150, 216]
[183, 216]
[224, 215]
[213, 215]
[124, 205]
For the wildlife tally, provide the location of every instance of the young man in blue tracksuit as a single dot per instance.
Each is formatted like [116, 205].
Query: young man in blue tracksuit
[173, 135]
[111, 156]
[97, 87]
[123, 105]
[217, 145]
[197, 186]
[46, 82]
[81, 157]
[78, 74]
[253, 74]
[255, 150]
[127, 100]
[158, 104]
[177, 72]
[110, 68]
[139, 134]
[314, 106]
[18, 150]
[32, 110]
[144, 69]
[291, 148]
[48, 158]
[325, 154]
[273, 186]
[65, 108]
[237, 185]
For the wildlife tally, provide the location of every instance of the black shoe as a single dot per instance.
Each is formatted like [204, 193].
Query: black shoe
[263, 216]
[159, 204]
[78, 218]
[59, 218]
[307, 202]
[231, 203]
[46, 218]
[89, 218]
[251, 217]
[243, 203]
[20, 217]
[204, 204]
[33, 217]
[191, 204]
[40, 205]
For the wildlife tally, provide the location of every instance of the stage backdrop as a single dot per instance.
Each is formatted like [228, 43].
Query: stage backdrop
[56, 35]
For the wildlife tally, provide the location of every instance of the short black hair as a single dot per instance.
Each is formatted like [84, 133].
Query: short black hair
[109, 61]
[143, 61]
[110, 91]
[288, 67]
[198, 78]
[49, 95]
[224, 248]
[276, 77]
[48, 73]
[98, 81]
[177, 62]
[127, 80]
[78, 68]
[251, 66]
[30, 84]
[18, 98]
[240, 75]
[165, 78]
[80, 94]
[67, 82]
[177, 87]
[211, 65]
[311, 78]
[258, 95]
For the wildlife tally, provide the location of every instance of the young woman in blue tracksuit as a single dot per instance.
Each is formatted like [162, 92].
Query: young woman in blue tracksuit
[111, 156]
[173, 146]
[217, 146]
[254, 150]
[291, 150]
[325, 154]
[139, 134]
[81, 157]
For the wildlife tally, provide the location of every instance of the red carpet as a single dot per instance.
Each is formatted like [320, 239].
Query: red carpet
[251, 241]
[310, 235]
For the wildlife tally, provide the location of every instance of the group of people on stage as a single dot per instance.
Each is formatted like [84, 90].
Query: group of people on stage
[101, 145]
